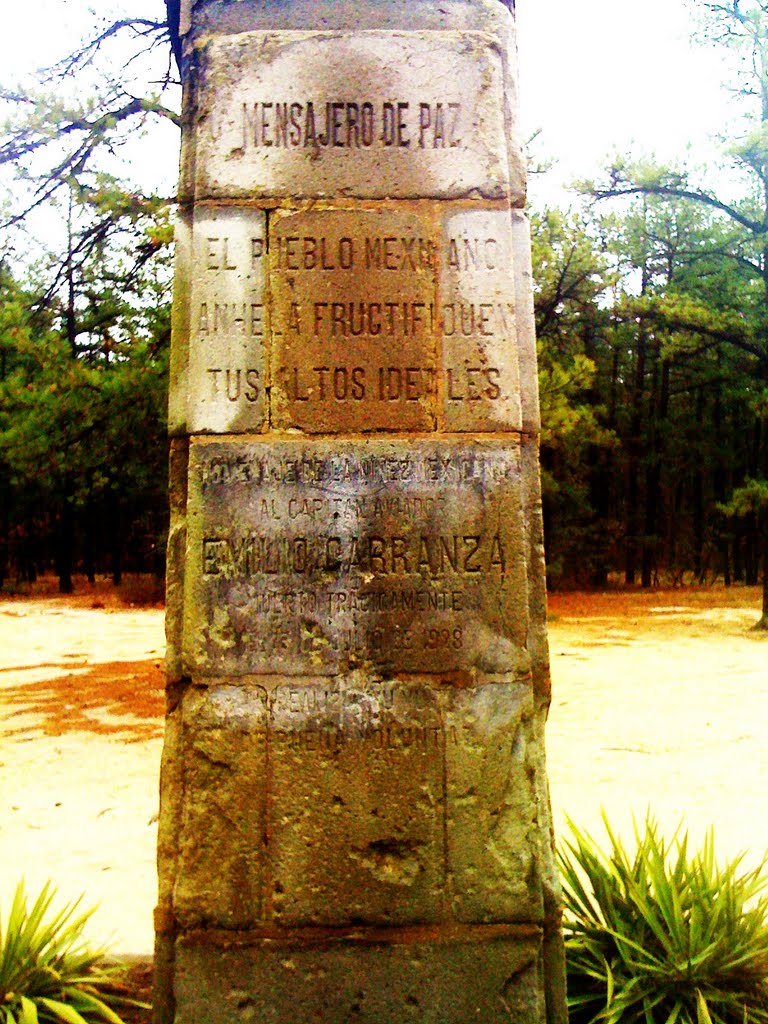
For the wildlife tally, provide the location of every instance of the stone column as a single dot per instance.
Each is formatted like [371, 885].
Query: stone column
[354, 818]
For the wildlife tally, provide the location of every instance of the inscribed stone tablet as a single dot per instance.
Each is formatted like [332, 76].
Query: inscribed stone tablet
[227, 329]
[478, 322]
[367, 115]
[357, 803]
[353, 320]
[306, 557]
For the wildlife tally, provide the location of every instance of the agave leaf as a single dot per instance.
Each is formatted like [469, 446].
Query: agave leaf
[44, 960]
[28, 1012]
[651, 934]
[85, 1001]
[63, 1011]
[702, 1011]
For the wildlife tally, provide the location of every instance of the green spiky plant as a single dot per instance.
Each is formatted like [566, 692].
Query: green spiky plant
[661, 936]
[48, 975]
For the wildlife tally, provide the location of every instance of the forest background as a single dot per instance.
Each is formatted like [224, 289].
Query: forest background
[651, 315]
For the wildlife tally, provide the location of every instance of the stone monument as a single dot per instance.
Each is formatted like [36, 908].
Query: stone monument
[354, 813]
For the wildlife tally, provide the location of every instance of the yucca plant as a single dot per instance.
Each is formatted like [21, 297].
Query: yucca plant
[661, 937]
[47, 972]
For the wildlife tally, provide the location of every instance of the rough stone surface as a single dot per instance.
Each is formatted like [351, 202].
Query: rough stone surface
[222, 819]
[372, 114]
[492, 763]
[176, 554]
[472, 982]
[171, 794]
[538, 645]
[180, 318]
[308, 557]
[526, 330]
[357, 803]
[225, 17]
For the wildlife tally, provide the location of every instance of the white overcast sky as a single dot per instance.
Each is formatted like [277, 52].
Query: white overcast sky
[600, 76]
[596, 75]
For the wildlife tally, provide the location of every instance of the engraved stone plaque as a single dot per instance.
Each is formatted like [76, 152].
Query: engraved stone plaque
[226, 377]
[478, 322]
[369, 114]
[353, 321]
[311, 557]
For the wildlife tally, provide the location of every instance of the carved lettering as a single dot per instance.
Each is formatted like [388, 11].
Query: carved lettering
[473, 383]
[217, 254]
[371, 319]
[348, 124]
[369, 471]
[439, 125]
[233, 384]
[473, 254]
[430, 555]
[244, 318]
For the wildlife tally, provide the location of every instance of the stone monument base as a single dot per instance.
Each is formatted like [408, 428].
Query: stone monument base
[480, 974]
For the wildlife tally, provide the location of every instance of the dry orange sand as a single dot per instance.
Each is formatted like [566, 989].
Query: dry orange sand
[658, 699]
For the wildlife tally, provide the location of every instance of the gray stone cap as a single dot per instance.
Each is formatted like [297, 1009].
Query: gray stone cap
[244, 15]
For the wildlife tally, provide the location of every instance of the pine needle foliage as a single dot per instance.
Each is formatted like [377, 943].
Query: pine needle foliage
[48, 975]
[662, 936]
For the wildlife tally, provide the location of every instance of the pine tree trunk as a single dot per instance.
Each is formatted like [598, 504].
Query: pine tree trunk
[64, 547]
[116, 538]
[653, 481]
[698, 498]
[751, 557]
[633, 470]
[89, 542]
[720, 475]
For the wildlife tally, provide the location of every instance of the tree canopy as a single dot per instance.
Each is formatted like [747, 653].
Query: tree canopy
[84, 305]
[651, 314]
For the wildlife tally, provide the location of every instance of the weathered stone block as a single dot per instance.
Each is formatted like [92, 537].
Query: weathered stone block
[492, 761]
[171, 800]
[356, 114]
[309, 558]
[471, 982]
[525, 323]
[538, 645]
[228, 321]
[353, 319]
[481, 389]
[180, 318]
[226, 17]
[221, 846]
[175, 558]
[357, 804]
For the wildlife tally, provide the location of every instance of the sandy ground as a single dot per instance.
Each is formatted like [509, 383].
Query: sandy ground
[659, 700]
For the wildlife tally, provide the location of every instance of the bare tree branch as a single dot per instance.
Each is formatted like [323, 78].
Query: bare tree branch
[156, 32]
[757, 227]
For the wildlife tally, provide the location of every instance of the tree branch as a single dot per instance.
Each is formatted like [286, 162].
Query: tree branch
[676, 192]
